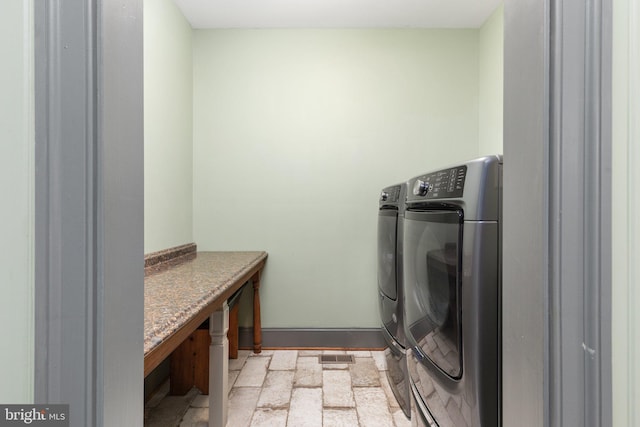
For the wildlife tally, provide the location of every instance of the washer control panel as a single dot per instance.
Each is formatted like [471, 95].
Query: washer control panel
[390, 194]
[443, 184]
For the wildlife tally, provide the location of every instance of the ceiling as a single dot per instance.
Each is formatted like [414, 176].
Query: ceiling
[337, 13]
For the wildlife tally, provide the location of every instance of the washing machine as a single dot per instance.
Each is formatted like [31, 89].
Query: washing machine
[452, 284]
[390, 226]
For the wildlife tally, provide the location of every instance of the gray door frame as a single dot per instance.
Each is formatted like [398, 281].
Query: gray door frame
[557, 213]
[89, 209]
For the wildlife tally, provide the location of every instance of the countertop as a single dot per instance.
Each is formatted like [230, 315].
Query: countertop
[172, 296]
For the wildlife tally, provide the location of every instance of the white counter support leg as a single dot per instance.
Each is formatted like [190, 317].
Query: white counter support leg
[218, 367]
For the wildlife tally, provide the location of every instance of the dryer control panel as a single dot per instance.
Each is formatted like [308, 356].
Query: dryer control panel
[443, 184]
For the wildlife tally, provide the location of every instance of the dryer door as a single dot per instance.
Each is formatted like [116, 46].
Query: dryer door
[432, 272]
[387, 254]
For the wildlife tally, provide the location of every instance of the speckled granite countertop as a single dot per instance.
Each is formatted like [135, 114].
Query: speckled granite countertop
[175, 295]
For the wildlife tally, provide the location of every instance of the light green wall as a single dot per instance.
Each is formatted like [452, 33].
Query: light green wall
[296, 132]
[168, 135]
[490, 74]
[626, 220]
[17, 214]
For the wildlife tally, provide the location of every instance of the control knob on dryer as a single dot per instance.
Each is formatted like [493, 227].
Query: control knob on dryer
[420, 188]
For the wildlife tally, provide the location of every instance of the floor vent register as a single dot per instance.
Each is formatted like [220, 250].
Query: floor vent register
[336, 358]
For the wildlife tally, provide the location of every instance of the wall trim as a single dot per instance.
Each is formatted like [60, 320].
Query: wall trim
[579, 212]
[89, 276]
[67, 360]
[557, 180]
[351, 338]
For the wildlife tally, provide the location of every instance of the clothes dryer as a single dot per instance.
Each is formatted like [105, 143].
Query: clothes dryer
[452, 283]
[390, 227]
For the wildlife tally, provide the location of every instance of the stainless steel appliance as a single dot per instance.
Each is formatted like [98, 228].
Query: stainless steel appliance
[390, 226]
[452, 282]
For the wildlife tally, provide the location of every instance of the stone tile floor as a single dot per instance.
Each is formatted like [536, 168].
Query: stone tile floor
[291, 388]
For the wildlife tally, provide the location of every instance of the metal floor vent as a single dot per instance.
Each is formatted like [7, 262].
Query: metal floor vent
[336, 358]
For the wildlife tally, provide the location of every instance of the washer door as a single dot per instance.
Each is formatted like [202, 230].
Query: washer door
[432, 272]
[387, 256]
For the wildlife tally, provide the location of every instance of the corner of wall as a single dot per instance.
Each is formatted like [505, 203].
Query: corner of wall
[168, 117]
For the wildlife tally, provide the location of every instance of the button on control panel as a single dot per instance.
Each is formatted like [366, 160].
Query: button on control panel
[444, 184]
[420, 187]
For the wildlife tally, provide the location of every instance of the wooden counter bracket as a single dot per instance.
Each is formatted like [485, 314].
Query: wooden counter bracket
[232, 335]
